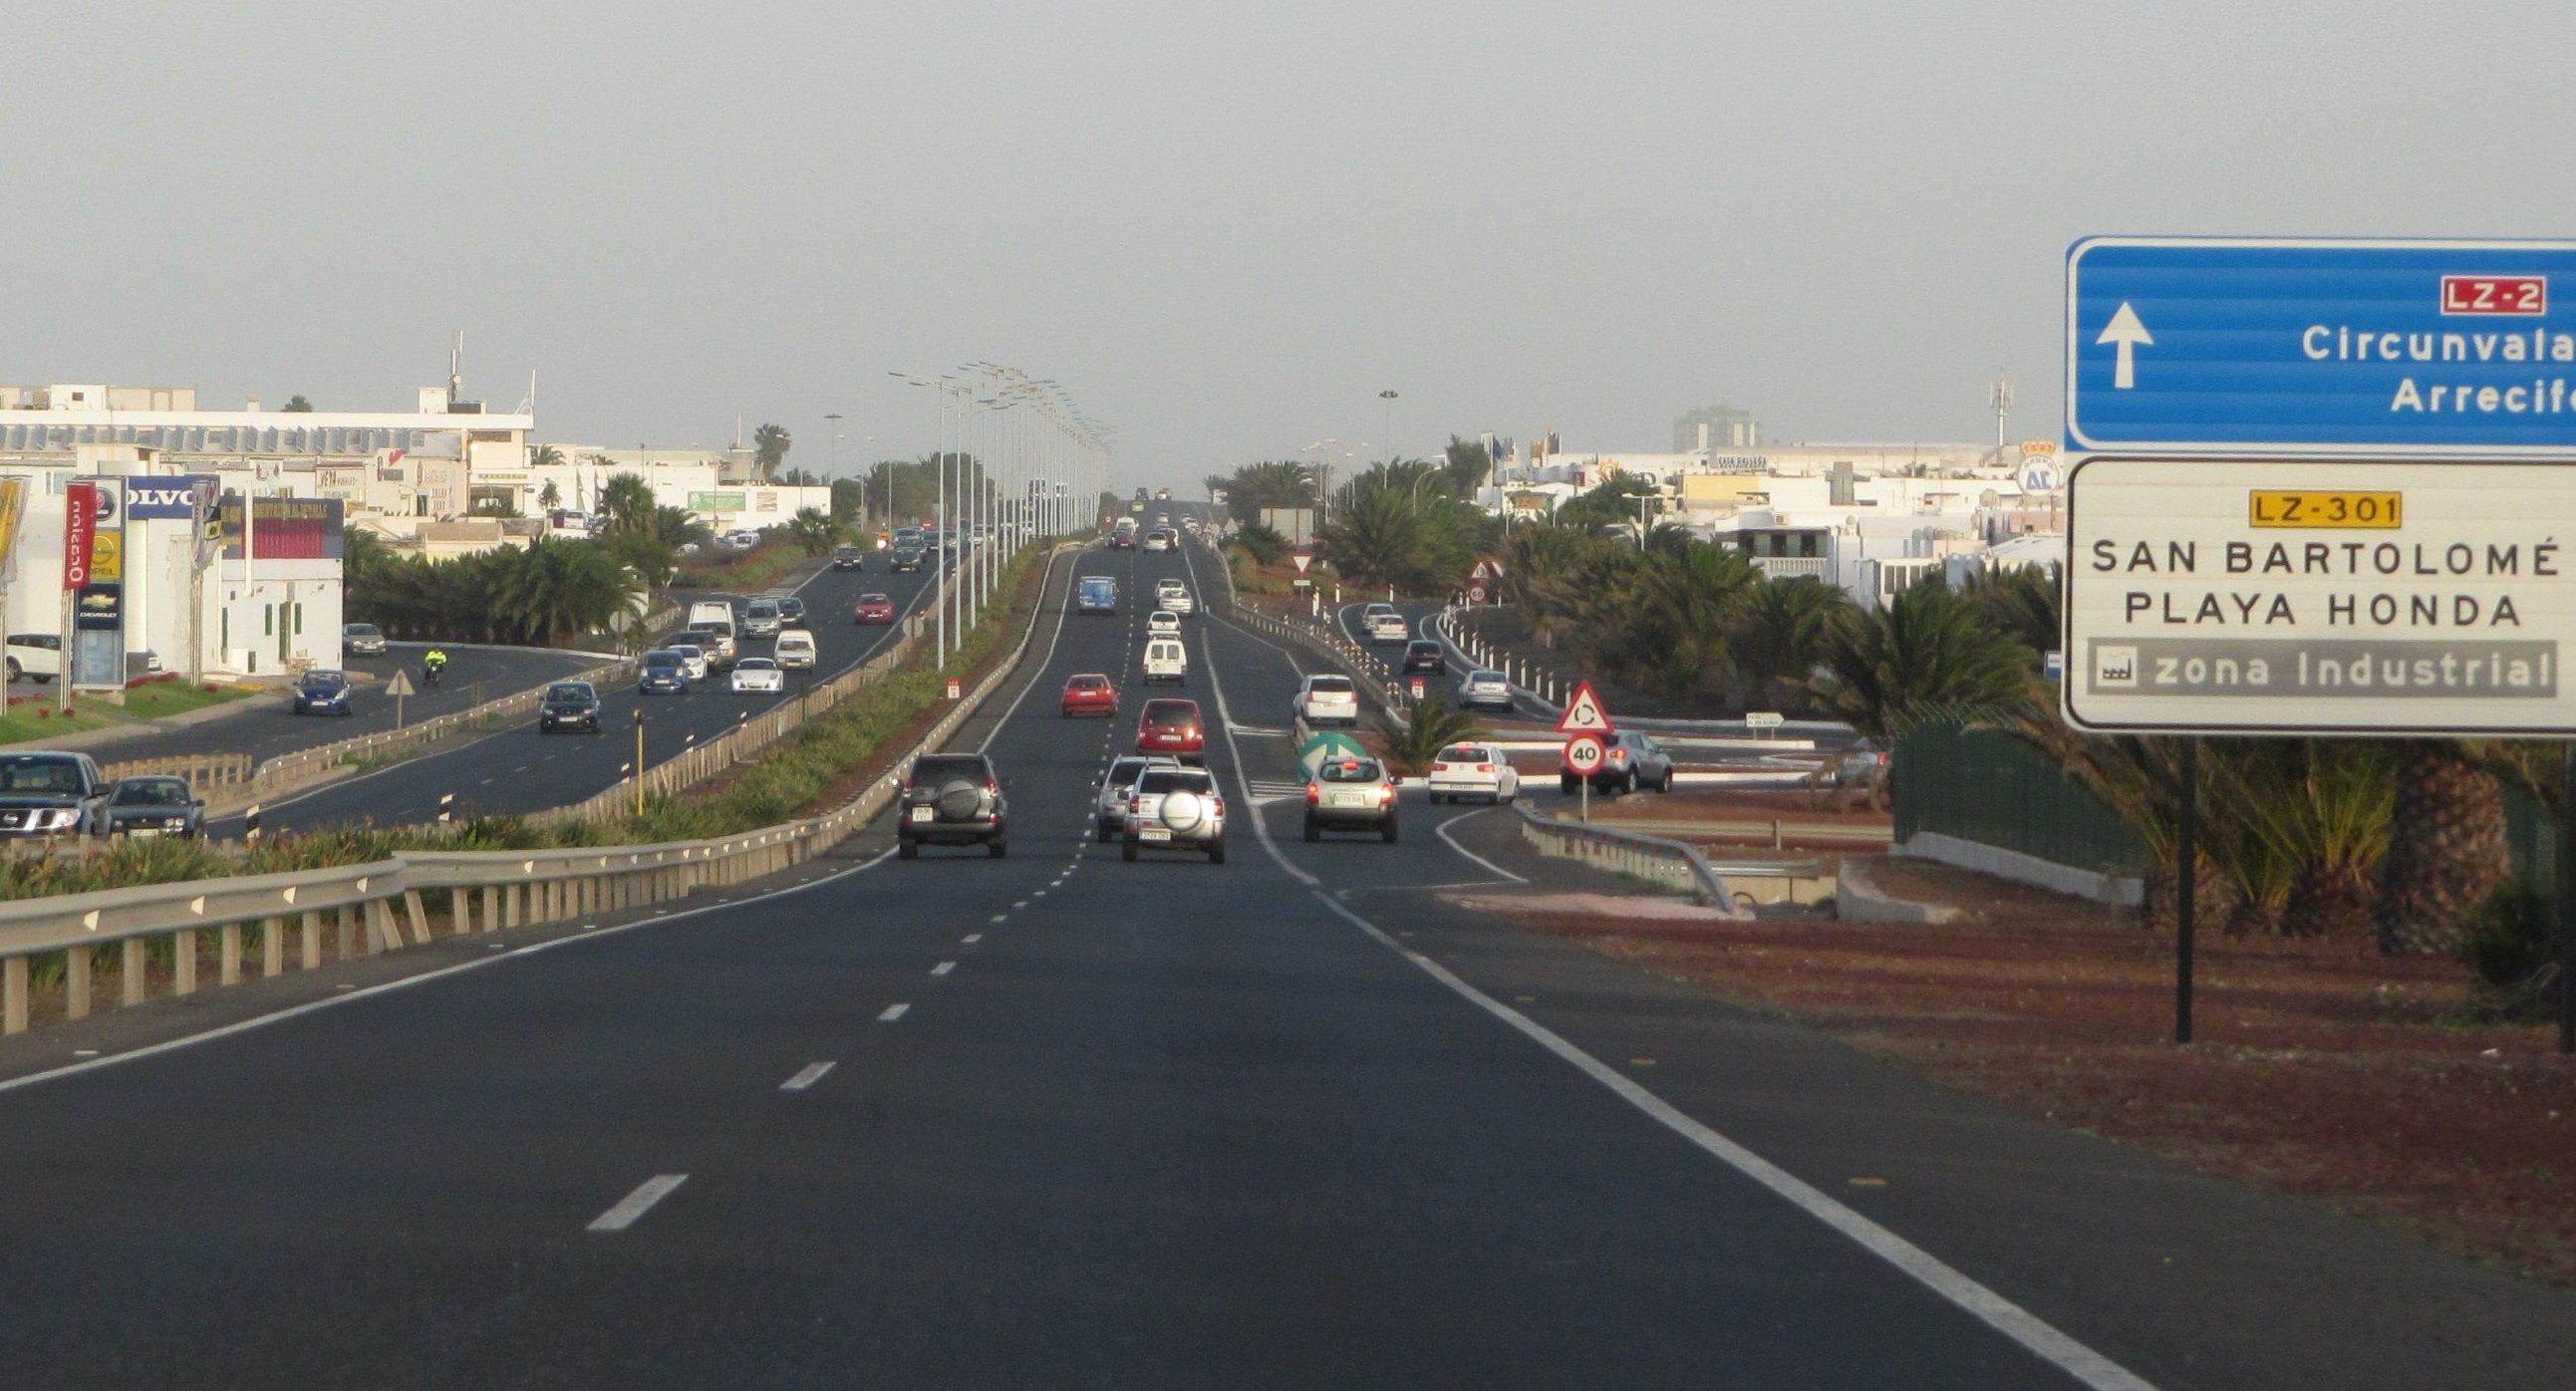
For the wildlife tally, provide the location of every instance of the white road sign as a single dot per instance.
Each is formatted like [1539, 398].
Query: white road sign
[2311, 597]
[1583, 714]
[1584, 754]
[1762, 719]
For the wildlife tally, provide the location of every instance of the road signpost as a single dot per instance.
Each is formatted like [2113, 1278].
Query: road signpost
[398, 688]
[2315, 492]
[1764, 720]
[1584, 713]
[1583, 755]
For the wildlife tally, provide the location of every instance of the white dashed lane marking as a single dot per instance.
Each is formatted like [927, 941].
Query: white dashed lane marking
[892, 1013]
[812, 1073]
[637, 1203]
[972, 938]
[943, 968]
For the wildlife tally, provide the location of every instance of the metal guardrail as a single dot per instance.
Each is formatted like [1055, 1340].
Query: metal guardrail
[389, 905]
[205, 772]
[1626, 852]
[289, 771]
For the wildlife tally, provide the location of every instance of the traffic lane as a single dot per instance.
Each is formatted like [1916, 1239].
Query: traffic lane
[519, 770]
[1220, 1138]
[460, 1133]
[269, 727]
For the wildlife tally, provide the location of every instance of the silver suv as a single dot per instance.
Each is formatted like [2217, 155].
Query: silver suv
[1175, 809]
[1109, 809]
[1350, 794]
[1635, 761]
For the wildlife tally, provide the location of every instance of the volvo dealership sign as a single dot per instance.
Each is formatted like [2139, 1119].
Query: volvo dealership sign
[2328, 348]
[2321, 597]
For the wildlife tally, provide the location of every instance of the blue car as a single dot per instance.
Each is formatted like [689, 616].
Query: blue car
[322, 693]
[663, 672]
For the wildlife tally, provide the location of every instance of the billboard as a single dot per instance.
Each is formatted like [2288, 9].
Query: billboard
[80, 531]
[163, 499]
[281, 528]
[717, 502]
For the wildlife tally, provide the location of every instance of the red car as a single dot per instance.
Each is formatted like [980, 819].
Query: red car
[1173, 727]
[1090, 694]
[873, 608]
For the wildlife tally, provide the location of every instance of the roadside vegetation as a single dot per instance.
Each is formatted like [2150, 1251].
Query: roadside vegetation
[146, 698]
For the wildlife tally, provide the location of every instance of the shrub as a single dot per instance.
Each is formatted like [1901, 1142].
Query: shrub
[2508, 940]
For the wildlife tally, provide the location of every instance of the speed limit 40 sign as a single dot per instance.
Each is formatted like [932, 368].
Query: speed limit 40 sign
[1584, 754]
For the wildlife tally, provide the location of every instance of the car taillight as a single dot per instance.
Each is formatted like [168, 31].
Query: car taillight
[1484, 767]
[1135, 804]
[1618, 755]
[1386, 794]
[992, 784]
[1314, 794]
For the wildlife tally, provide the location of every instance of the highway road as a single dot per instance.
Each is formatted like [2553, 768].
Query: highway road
[1059, 1120]
[267, 727]
[518, 769]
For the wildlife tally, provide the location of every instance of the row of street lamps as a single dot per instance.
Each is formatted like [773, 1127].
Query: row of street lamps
[1017, 458]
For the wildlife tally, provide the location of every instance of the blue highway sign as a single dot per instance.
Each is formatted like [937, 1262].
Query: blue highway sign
[2238, 346]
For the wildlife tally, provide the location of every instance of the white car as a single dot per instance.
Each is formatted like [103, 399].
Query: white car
[1386, 625]
[1486, 690]
[1157, 541]
[1474, 770]
[1175, 596]
[758, 674]
[693, 660]
[36, 656]
[1327, 700]
[1109, 808]
[1166, 660]
[1163, 622]
[795, 650]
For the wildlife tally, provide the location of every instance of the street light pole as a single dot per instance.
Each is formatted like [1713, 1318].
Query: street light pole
[1388, 422]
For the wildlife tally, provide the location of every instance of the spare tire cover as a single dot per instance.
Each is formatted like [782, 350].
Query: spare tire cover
[1182, 810]
[960, 799]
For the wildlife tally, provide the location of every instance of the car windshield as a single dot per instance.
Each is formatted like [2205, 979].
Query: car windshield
[1123, 773]
[1350, 770]
[1330, 685]
[39, 774]
[1485, 678]
[569, 690]
[1089, 683]
[1166, 780]
[938, 768]
[762, 608]
[324, 680]
[362, 630]
[1462, 753]
[755, 664]
[663, 659]
[152, 792]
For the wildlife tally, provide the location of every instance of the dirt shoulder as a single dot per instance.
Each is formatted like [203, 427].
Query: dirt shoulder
[2321, 1069]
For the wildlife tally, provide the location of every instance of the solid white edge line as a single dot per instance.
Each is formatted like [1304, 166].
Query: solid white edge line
[811, 1074]
[637, 1203]
[1442, 831]
[657, 919]
[2034, 1334]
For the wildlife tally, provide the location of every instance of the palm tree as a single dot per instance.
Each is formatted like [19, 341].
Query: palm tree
[1928, 654]
[2448, 853]
[813, 530]
[1414, 747]
[1779, 638]
[556, 590]
[626, 501]
[678, 526]
[2028, 602]
[769, 445]
[2318, 809]
[545, 456]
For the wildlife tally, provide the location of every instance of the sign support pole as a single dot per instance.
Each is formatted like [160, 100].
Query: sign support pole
[2186, 890]
[2567, 898]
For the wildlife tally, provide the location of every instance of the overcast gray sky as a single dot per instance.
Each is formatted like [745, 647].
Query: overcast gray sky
[1226, 226]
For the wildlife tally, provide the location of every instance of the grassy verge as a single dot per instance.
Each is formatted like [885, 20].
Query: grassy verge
[746, 572]
[34, 717]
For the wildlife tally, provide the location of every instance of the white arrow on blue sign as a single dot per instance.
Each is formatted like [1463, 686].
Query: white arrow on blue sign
[2252, 346]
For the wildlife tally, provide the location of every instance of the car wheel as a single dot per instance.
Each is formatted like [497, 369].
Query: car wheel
[997, 848]
[1313, 831]
[907, 849]
[1388, 830]
[1665, 783]
[14, 672]
[1127, 849]
[1565, 783]
[1216, 852]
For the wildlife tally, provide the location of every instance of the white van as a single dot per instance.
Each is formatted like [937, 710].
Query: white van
[715, 616]
[1165, 660]
[795, 650]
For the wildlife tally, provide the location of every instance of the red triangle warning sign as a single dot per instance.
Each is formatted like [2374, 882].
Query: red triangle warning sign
[1583, 714]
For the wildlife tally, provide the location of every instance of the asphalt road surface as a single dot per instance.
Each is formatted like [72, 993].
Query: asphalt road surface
[269, 727]
[517, 769]
[1059, 1120]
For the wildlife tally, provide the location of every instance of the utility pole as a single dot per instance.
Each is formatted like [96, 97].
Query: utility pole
[2001, 397]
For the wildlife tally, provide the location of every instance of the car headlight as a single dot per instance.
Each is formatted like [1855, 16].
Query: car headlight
[55, 818]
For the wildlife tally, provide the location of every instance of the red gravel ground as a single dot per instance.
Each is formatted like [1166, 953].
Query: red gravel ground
[2321, 1069]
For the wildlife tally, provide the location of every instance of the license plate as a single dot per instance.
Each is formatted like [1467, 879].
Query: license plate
[1154, 834]
[921, 813]
[145, 831]
[1348, 799]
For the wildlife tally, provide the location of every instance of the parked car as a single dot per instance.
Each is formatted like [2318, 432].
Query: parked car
[569, 705]
[51, 794]
[1350, 794]
[155, 805]
[1325, 701]
[1486, 690]
[1163, 621]
[1473, 770]
[321, 691]
[849, 558]
[1109, 807]
[760, 618]
[1090, 693]
[758, 675]
[791, 612]
[35, 656]
[1166, 660]
[873, 609]
[1174, 809]
[1635, 761]
[361, 640]
[1172, 727]
[951, 799]
[665, 671]
[1422, 655]
[795, 650]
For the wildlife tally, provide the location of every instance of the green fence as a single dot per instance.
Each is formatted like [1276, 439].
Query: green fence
[2532, 835]
[1986, 786]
